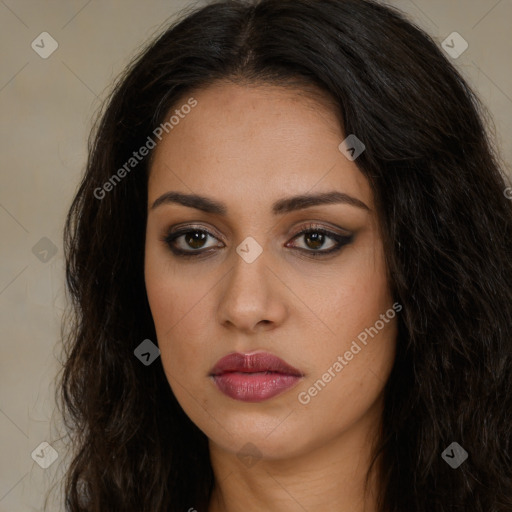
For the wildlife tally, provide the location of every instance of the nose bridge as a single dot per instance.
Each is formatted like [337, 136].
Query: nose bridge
[248, 279]
[250, 294]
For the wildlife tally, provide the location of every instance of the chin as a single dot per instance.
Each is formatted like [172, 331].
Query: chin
[267, 434]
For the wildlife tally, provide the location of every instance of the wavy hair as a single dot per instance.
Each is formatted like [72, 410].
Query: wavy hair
[446, 224]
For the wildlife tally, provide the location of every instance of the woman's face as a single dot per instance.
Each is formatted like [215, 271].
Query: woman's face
[251, 284]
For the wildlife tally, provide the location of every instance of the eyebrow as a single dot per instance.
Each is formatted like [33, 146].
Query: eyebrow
[286, 205]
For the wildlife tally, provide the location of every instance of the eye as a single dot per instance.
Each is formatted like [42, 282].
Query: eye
[181, 241]
[315, 239]
[192, 242]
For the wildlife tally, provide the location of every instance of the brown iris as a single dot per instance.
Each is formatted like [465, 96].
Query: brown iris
[316, 238]
[195, 239]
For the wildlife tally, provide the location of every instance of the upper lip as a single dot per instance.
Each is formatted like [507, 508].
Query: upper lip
[252, 363]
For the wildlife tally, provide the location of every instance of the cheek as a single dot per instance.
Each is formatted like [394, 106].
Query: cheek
[175, 291]
[180, 322]
[178, 306]
[352, 306]
[179, 319]
[348, 376]
[352, 298]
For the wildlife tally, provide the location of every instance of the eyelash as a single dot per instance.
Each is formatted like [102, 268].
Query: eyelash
[341, 241]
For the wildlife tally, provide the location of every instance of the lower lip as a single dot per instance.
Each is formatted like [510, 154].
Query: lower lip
[254, 387]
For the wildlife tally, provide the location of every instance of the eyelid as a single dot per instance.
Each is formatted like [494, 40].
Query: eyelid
[184, 228]
[314, 226]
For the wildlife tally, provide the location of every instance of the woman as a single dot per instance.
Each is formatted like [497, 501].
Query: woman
[295, 204]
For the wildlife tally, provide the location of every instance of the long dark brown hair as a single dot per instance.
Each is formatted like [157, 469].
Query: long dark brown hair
[439, 188]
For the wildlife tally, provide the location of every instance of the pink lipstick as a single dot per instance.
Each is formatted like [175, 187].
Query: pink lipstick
[254, 377]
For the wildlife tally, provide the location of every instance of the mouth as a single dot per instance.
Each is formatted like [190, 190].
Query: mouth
[254, 377]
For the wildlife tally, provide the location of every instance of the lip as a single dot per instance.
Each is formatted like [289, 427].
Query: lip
[254, 377]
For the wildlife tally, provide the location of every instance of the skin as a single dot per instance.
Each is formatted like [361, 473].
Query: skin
[248, 146]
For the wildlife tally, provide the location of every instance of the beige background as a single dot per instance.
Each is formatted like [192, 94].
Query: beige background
[47, 107]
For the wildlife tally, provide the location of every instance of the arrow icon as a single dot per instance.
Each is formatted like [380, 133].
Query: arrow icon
[44, 455]
[147, 352]
[454, 45]
[452, 456]
[249, 454]
[44, 45]
[351, 147]
[44, 250]
[249, 252]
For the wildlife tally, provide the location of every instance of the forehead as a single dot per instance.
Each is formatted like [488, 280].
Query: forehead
[254, 143]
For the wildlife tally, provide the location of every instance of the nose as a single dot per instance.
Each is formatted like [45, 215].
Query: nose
[253, 298]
